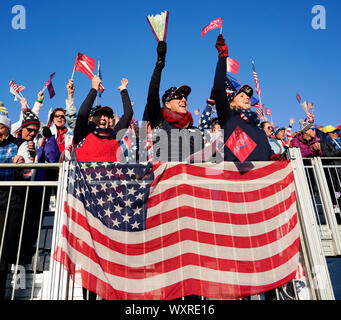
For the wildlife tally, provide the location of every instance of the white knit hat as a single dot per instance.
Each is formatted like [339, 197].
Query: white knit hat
[4, 116]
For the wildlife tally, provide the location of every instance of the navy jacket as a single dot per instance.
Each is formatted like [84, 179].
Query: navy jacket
[230, 119]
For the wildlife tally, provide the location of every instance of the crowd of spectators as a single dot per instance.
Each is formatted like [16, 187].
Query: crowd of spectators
[167, 133]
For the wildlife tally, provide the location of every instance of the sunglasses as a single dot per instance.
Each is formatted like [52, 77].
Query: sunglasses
[59, 116]
[31, 130]
[178, 96]
[270, 128]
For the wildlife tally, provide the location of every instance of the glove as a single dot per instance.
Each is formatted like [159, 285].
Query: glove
[47, 132]
[161, 52]
[222, 47]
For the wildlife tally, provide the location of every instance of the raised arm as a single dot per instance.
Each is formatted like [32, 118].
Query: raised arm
[70, 108]
[81, 127]
[125, 120]
[152, 111]
[222, 105]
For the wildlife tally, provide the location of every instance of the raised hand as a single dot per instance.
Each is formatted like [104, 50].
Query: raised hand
[124, 83]
[70, 89]
[96, 82]
[222, 47]
[40, 96]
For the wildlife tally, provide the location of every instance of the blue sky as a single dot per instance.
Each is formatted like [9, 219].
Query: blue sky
[290, 56]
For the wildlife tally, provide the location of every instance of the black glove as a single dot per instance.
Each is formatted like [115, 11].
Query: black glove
[47, 132]
[161, 52]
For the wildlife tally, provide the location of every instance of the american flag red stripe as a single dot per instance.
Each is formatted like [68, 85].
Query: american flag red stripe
[17, 88]
[215, 232]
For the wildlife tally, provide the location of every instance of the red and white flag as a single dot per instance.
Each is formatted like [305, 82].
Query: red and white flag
[86, 65]
[232, 65]
[217, 23]
[268, 111]
[224, 232]
[15, 89]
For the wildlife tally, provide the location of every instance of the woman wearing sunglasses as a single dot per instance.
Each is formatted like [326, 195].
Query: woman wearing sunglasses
[307, 141]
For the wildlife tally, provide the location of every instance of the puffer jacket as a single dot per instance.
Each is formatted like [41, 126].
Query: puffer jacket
[306, 146]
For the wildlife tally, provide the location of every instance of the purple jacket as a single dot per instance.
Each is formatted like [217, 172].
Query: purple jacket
[305, 146]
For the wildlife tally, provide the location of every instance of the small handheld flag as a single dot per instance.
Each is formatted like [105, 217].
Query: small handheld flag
[298, 97]
[86, 65]
[232, 65]
[268, 112]
[49, 86]
[159, 25]
[16, 89]
[217, 23]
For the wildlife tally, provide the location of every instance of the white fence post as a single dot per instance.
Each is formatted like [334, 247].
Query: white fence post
[321, 280]
[56, 287]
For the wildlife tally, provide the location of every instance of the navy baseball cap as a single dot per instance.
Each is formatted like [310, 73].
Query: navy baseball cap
[173, 91]
[104, 109]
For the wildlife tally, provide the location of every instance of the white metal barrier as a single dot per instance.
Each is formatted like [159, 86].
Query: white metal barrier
[309, 178]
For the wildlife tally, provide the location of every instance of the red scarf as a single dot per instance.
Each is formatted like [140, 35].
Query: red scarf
[61, 139]
[179, 120]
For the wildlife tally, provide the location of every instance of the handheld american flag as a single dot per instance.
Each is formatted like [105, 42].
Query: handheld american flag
[16, 89]
[167, 230]
[255, 76]
[159, 25]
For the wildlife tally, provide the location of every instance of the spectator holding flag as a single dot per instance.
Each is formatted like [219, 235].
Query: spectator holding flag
[96, 140]
[58, 119]
[244, 139]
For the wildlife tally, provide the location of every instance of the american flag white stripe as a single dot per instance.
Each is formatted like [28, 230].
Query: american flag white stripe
[163, 261]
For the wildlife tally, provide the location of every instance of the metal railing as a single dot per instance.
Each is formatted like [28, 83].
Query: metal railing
[319, 221]
[26, 222]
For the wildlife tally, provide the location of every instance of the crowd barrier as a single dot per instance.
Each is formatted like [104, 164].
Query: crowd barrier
[318, 191]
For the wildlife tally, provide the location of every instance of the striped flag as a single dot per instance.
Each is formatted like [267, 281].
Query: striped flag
[15, 89]
[259, 110]
[256, 79]
[167, 230]
[86, 65]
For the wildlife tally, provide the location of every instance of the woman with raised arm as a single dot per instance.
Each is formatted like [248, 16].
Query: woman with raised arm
[95, 140]
[244, 139]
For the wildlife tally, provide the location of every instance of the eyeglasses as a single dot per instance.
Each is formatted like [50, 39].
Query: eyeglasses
[268, 128]
[59, 116]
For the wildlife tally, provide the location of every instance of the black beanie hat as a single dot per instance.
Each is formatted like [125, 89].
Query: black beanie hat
[30, 118]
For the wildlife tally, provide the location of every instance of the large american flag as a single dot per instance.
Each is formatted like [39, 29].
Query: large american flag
[167, 230]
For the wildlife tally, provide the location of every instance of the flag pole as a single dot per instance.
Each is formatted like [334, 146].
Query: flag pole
[260, 99]
[99, 62]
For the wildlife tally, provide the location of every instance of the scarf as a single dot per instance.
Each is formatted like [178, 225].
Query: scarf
[179, 120]
[250, 117]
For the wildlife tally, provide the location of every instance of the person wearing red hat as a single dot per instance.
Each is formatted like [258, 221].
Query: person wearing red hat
[94, 138]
